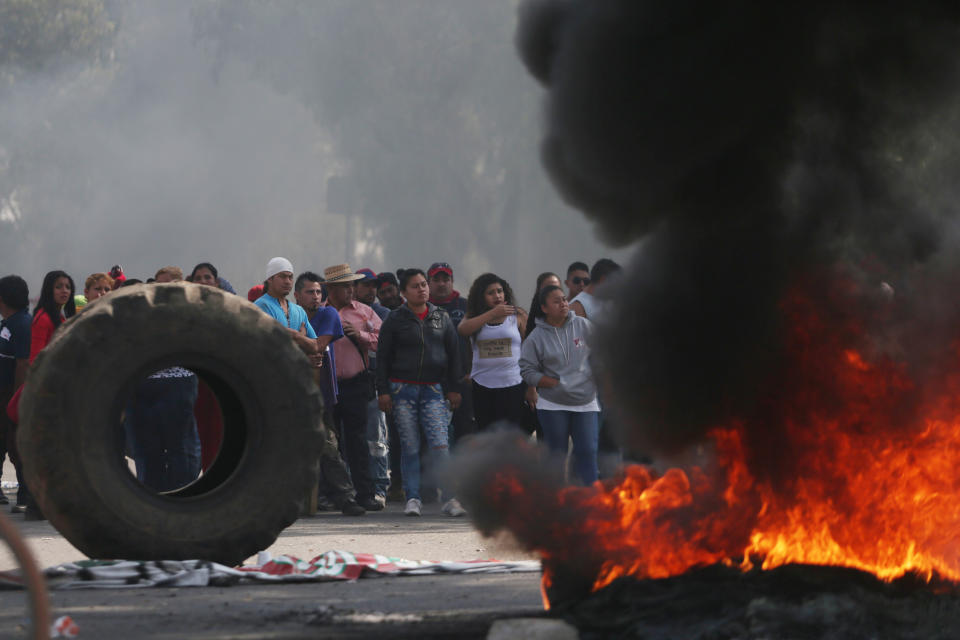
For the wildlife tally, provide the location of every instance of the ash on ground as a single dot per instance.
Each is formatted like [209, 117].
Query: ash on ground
[799, 602]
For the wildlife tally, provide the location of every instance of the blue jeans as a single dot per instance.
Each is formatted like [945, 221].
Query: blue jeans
[420, 408]
[583, 427]
[377, 441]
[162, 432]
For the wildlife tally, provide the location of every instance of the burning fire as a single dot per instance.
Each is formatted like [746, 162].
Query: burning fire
[872, 483]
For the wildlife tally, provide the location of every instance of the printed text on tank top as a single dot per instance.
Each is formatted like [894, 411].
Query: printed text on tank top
[496, 353]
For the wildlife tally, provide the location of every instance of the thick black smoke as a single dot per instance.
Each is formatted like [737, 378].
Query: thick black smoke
[754, 148]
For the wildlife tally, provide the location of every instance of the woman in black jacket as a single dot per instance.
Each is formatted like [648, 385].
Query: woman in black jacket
[417, 365]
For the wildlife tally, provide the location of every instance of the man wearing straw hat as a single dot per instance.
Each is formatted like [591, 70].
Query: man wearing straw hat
[362, 328]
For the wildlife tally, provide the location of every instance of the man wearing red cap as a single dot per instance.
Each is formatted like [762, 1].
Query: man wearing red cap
[443, 295]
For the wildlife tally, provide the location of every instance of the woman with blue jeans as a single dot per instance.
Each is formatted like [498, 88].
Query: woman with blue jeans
[555, 359]
[417, 365]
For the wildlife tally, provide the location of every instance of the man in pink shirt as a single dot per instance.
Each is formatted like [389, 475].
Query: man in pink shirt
[361, 325]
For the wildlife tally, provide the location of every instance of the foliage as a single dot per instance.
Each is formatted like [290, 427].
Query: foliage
[37, 35]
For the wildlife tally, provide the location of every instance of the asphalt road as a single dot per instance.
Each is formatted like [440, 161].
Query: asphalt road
[417, 606]
[460, 606]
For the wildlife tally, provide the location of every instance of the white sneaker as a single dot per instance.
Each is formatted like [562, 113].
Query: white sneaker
[453, 508]
[412, 508]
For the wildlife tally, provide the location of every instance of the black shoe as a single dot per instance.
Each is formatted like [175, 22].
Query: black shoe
[351, 508]
[18, 508]
[4, 499]
[325, 504]
[376, 503]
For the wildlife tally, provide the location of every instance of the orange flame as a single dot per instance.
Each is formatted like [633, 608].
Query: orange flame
[874, 482]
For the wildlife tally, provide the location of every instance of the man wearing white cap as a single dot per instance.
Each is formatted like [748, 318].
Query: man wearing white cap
[274, 302]
[278, 285]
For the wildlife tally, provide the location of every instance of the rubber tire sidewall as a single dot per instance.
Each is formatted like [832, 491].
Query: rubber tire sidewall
[71, 442]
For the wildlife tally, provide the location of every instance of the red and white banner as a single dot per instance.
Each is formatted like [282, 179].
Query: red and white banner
[332, 565]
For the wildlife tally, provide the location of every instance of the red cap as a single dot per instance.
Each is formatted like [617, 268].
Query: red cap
[256, 291]
[368, 274]
[438, 267]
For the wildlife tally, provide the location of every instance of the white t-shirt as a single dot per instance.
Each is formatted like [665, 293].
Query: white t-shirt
[546, 405]
[589, 302]
[496, 355]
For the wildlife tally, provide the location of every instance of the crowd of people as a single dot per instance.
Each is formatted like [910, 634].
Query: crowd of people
[407, 367]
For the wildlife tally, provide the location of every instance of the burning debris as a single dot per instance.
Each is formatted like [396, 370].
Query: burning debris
[800, 602]
[791, 172]
[864, 490]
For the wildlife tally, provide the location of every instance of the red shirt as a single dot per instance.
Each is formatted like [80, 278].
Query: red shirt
[41, 330]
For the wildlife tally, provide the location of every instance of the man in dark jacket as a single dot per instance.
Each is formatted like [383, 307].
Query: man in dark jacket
[14, 360]
[443, 295]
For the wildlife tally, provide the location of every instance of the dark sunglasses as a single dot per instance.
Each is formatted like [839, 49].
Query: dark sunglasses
[579, 280]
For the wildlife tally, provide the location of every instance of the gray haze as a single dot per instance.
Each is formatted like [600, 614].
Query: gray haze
[210, 132]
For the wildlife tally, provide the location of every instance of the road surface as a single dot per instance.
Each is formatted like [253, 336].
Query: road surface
[419, 606]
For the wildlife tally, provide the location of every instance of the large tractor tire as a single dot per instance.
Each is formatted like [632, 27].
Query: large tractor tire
[72, 441]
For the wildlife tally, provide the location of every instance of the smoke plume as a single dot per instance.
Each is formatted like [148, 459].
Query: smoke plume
[756, 151]
[789, 324]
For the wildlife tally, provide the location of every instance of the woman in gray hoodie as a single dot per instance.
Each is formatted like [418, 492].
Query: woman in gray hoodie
[555, 359]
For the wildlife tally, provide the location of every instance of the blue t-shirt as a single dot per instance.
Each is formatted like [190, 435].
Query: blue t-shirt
[298, 316]
[14, 345]
[326, 322]
[225, 285]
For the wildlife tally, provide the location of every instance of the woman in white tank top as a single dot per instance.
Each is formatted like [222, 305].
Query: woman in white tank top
[495, 327]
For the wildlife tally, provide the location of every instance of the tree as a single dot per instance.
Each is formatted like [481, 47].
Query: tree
[41, 38]
[432, 113]
[39, 35]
